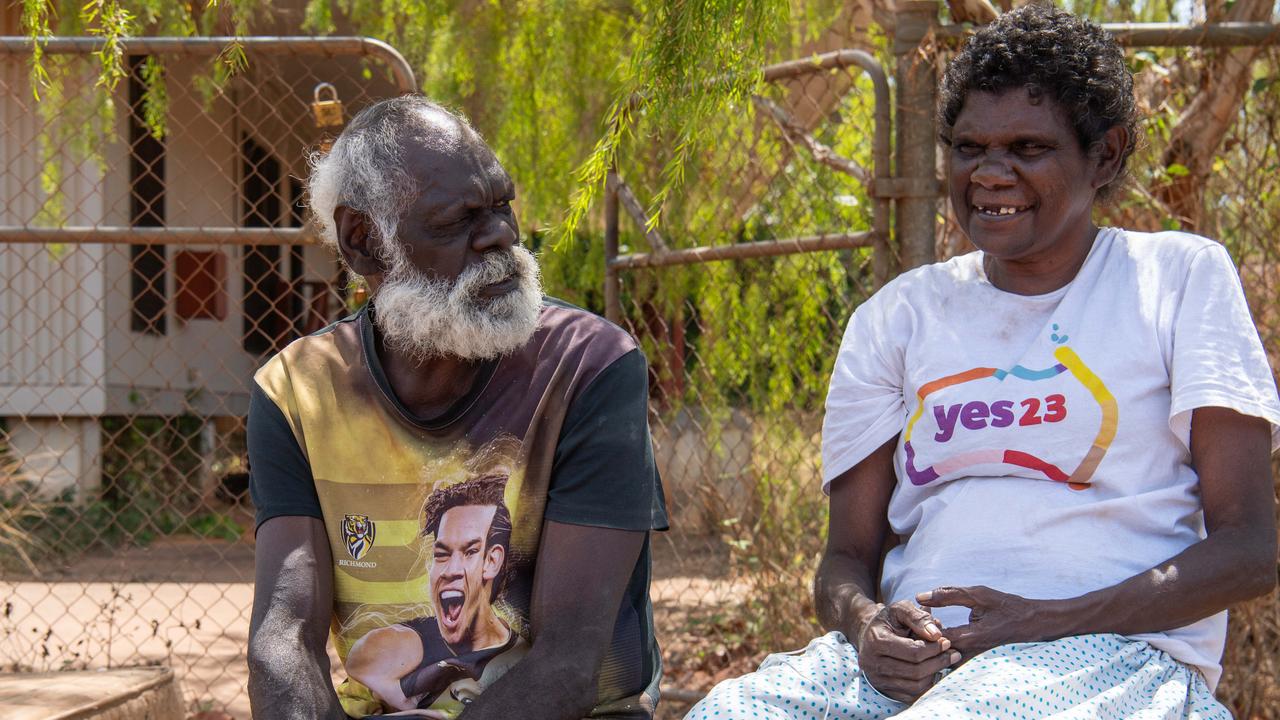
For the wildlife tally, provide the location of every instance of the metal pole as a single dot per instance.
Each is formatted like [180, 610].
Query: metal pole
[916, 75]
[1228, 34]
[267, 45]
[612, 284]
[119, 235]
[742, 251]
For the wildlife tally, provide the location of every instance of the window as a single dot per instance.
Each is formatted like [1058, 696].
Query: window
[147, 263]
[266, 322]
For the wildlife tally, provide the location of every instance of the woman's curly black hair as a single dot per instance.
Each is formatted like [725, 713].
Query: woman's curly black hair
[1051, 53]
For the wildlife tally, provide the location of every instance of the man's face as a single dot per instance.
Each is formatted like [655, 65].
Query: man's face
[457, 282]
[462, 571]
[463, 210]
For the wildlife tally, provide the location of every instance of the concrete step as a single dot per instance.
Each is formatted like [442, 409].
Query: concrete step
[143, 693]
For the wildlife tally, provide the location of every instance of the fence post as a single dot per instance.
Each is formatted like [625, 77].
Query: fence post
[914, 148]
[612, 286]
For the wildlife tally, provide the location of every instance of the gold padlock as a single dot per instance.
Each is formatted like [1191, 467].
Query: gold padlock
[328, 112]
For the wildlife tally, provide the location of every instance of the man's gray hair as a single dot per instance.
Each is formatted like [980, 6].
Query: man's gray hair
[365, 170]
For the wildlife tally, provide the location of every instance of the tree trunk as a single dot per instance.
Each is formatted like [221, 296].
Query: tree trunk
[1199, 131]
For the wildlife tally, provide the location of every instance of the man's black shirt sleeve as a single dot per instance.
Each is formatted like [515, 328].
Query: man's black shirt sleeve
[280, 480]
[604, 473]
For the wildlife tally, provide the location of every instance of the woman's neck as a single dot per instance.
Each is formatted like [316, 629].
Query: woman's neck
[1039, 274]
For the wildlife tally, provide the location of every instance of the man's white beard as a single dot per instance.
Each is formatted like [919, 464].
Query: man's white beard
[426, 317]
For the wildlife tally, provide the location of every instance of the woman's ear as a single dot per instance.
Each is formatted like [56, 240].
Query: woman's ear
[356, 240]
[1108, 155]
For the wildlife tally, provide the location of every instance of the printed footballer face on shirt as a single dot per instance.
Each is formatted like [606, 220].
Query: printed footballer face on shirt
[988, 421]
[463, 569]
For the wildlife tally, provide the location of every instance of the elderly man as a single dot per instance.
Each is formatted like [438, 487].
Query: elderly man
[457, 368]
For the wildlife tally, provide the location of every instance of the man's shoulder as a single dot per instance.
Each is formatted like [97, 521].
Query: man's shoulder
[566, 329]
[560, 315]
[327, 350]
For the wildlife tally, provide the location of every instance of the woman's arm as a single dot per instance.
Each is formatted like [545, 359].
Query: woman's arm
[900, 647]
[1237, 561]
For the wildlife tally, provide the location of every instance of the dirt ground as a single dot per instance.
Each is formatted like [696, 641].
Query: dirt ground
[185, 603]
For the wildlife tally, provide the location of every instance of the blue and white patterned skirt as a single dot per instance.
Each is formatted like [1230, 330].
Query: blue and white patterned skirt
[1098, 677]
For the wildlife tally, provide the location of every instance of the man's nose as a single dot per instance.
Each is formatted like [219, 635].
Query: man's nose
[993, 171]
[498, 234]
[453, 568]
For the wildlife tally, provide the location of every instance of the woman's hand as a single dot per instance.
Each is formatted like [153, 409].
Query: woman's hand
[996, 618]
[901, 649]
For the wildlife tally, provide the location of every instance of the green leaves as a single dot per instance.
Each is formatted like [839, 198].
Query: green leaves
[692, 61]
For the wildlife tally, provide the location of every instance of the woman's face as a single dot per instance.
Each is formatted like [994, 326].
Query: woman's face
[1021, 185]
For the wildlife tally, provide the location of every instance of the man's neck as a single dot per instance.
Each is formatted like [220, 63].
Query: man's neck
[428, 388]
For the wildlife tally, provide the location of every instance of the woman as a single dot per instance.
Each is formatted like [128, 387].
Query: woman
[1069, 431]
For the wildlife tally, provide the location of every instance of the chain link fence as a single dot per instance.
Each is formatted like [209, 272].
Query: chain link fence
[146, 273]
[740, 350]
[153, 254]
[1241, 208]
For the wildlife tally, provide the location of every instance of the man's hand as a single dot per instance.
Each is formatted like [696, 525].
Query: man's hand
[581, 577]
[995, 618]
[901, 649]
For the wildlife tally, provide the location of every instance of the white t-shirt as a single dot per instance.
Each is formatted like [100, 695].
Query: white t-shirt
[1045, 440]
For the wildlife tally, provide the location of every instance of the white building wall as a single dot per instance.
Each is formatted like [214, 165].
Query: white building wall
[52, 319]
[197, 365]
[52, 316]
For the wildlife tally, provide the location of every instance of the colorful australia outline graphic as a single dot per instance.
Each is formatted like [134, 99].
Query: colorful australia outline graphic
[1077, 479]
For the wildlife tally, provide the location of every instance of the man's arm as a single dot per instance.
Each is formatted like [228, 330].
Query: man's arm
[292, 606]
[581, 576]
[1237, 561]
[900, 648]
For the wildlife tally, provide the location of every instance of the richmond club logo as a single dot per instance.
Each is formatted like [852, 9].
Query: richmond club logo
[357, 533]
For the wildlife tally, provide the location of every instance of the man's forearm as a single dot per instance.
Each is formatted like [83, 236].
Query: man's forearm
[542, 685]
[288, 632]
[289, 681]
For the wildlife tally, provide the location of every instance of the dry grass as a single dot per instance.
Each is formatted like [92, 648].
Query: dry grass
[17, 509]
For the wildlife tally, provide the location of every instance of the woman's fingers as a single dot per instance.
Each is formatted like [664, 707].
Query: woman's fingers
[917, 620]
[902, 689]
[970, 597]
[912, 650]
[913, 672]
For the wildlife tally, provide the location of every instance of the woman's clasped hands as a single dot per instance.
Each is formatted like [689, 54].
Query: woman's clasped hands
[995, 618]
[901, 649]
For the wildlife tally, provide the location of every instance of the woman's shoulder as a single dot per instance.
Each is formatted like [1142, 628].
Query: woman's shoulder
[1168, 249]
[922, 287]
[943, 275]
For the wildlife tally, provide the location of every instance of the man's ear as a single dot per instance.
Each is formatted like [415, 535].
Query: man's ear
[493, 562]
[356, 241]
[1108, 154]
